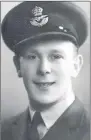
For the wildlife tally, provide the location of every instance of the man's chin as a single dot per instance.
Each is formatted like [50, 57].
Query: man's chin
[40, 104]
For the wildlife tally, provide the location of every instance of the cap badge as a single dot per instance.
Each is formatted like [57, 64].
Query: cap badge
[38, 19]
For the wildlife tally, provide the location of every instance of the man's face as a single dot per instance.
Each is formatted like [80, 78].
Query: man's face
[46, 69]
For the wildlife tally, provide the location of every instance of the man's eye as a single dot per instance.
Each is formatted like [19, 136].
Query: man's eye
[31, 57]
[57, 56]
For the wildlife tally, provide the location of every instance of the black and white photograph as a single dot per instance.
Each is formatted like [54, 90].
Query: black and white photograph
[45, 70]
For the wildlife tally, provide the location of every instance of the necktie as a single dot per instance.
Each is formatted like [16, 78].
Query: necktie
[33, 129]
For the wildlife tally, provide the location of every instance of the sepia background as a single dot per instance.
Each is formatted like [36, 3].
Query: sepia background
[13, 94]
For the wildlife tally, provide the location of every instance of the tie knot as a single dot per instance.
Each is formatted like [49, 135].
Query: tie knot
[37, 119]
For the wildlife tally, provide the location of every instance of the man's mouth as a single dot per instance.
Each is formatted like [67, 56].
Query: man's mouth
[44, 84]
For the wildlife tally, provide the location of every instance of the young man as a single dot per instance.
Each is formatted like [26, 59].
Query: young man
[45, 37]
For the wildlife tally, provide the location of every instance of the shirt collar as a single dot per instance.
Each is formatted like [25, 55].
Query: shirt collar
[51, 115]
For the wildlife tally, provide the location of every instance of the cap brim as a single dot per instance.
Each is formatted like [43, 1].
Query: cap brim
[47, 36]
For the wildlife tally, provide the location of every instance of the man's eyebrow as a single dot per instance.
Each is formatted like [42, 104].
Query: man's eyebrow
[50, 50]
[32, 50]
[57, 51]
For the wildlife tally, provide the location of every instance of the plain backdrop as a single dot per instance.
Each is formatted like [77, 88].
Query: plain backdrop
[13, 94]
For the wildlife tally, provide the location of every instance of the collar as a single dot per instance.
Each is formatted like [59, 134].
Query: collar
[51, 115]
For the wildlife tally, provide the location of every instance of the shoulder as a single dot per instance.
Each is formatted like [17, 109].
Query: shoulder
[79, 120]
[12, 120]
[6, 128]
[7, 125]
[78, 115]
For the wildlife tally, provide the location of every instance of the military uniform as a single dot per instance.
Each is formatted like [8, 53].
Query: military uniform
[72, 125]
[31, 22]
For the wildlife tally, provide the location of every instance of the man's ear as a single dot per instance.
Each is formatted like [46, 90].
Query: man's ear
[77, 65]
[17, 65]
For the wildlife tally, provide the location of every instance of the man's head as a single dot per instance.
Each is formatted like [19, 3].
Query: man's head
[47, 68]
[45, 37]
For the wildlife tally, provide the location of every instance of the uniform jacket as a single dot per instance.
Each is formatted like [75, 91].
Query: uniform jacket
[72, 125]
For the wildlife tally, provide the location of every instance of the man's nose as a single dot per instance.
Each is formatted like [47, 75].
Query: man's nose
[44, 67]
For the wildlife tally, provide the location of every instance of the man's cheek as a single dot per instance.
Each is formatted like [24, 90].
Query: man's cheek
[66, 70]
[25, 68]
[65, 67]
